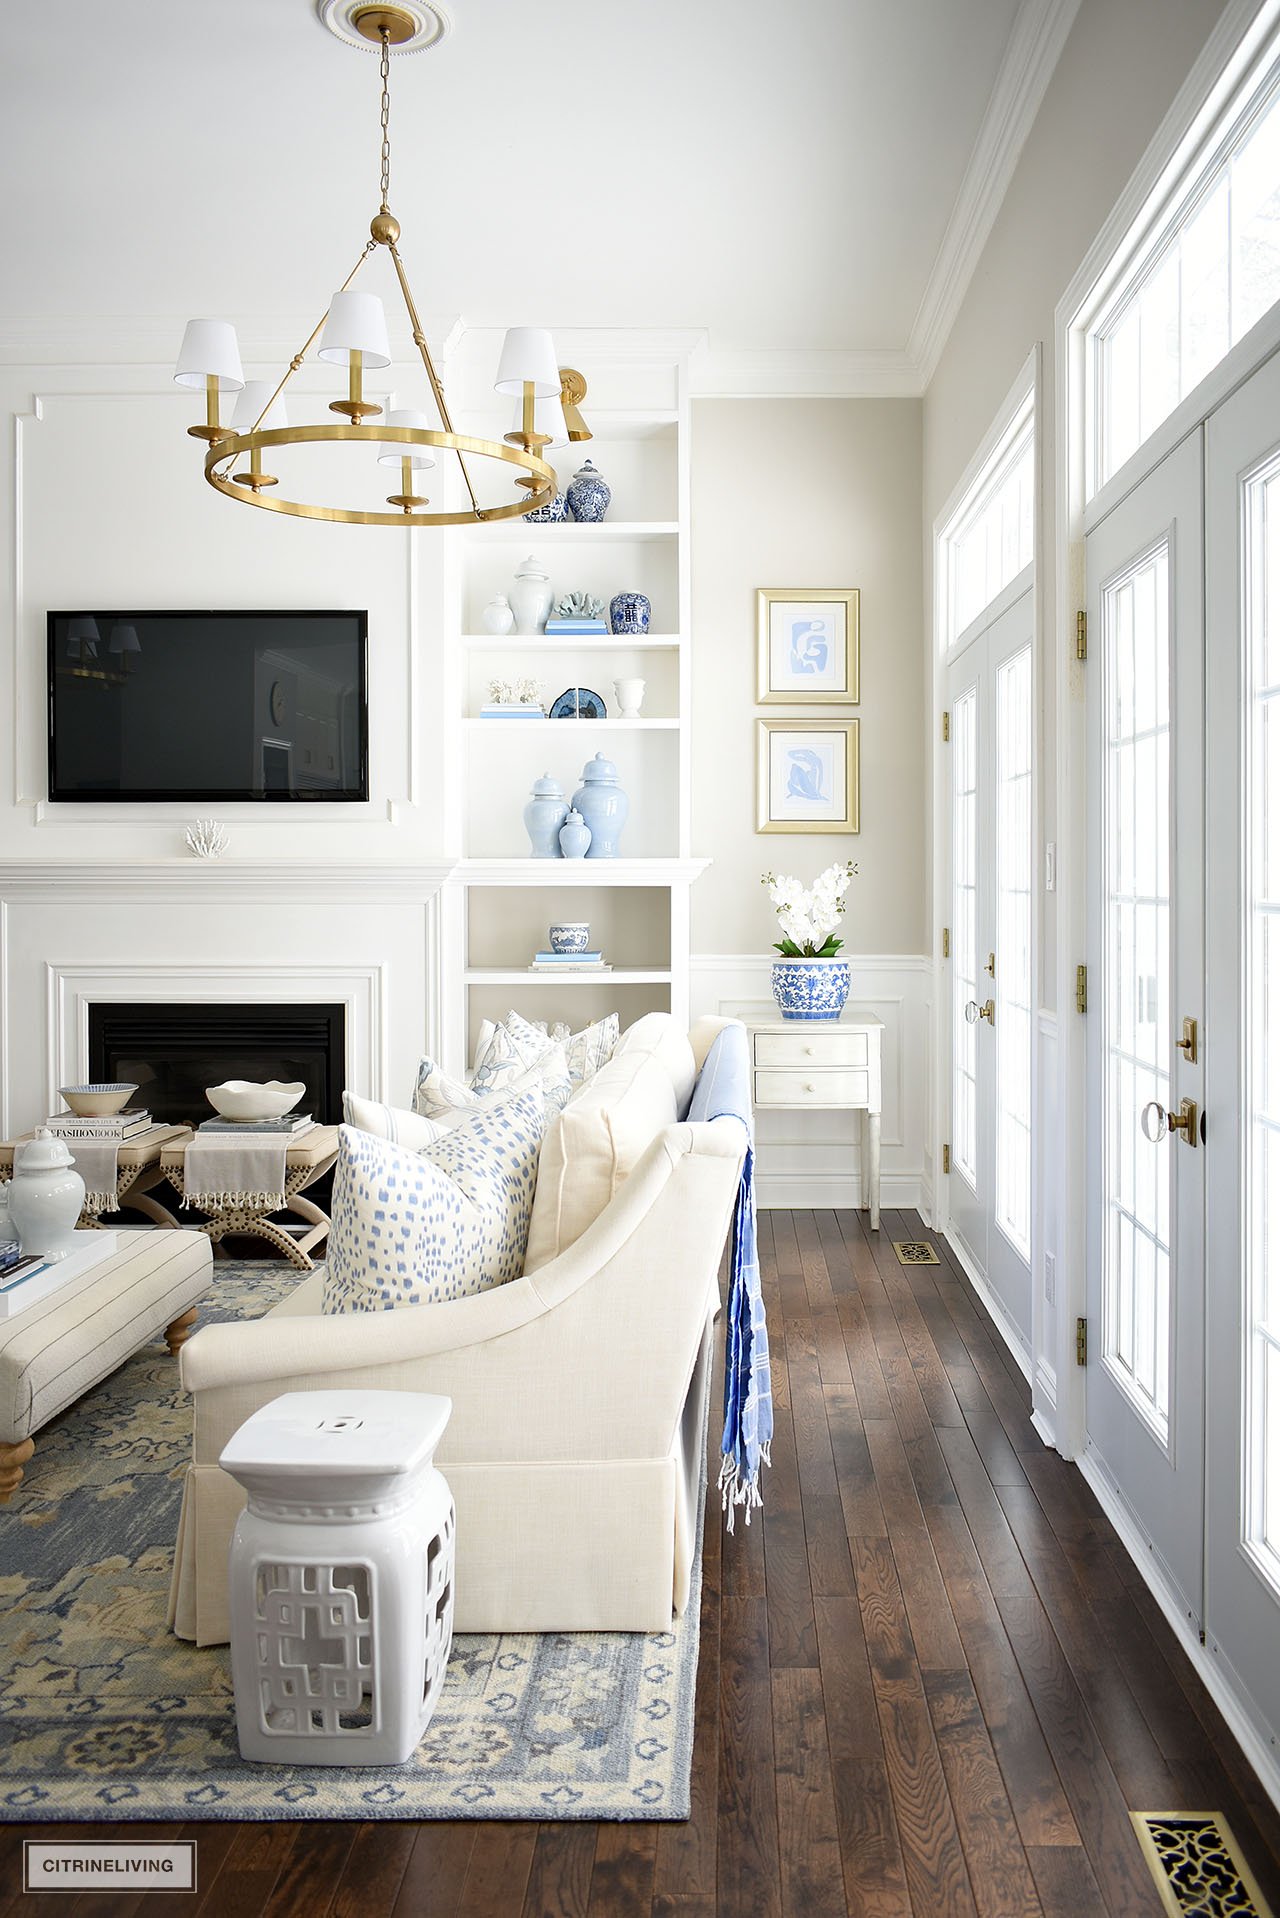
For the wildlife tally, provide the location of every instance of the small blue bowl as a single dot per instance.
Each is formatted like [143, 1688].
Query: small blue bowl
[570, 937]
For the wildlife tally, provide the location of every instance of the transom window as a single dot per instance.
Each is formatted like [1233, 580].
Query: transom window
[990, 538]
[1211, 272]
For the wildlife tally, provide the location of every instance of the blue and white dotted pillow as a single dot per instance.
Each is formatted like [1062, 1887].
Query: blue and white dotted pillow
[415, 1228]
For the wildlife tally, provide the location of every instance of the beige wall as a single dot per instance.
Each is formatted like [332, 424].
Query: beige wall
[1122, 65]
[807, 493]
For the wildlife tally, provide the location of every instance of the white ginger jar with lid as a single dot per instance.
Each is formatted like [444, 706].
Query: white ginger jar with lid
[531, 596]
[46, 1196]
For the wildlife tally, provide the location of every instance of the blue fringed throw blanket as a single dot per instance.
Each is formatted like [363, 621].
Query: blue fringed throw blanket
[724, 1091]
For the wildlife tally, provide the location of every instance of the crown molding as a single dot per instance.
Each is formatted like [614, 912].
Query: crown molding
[721, 373]
[1035, 45]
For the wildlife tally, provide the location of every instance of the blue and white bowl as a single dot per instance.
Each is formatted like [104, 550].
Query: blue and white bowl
[811, 988]
[570, 936]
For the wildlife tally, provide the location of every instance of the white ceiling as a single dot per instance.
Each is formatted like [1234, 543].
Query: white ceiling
[781, 174]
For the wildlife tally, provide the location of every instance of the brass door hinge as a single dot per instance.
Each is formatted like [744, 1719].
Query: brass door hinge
[1082, 1341]
[1082, 635]
[946, 727]
[1082, 988]
[946, 942]
[946, 1158]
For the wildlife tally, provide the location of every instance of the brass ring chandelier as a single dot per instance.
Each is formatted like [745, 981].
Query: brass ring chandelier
[355, 335]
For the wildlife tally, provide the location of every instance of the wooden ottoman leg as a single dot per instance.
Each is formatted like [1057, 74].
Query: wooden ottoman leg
[12, 1460]
[180, 1331]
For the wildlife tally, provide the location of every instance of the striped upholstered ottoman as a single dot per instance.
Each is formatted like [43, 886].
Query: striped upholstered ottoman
[65, 1343]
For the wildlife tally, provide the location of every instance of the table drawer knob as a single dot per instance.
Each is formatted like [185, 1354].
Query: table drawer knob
[810, 1087]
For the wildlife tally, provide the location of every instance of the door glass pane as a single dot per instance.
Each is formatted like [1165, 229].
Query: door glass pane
[1262, 1015]
[964, 934]
[1013, 949]
[1136, 1269]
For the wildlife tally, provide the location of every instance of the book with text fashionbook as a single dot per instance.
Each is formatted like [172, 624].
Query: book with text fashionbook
[119, 1125]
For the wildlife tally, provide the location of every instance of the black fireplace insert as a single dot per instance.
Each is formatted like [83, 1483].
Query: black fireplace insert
[172, 1051]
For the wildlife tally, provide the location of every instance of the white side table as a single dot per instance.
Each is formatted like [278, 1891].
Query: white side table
[824, 1065]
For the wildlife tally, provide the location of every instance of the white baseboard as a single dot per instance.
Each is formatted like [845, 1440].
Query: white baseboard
[1218, 1678]
[1003, 1323]
[777, 1191]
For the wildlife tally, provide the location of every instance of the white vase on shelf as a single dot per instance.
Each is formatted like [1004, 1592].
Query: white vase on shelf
[629, 694]
[531, 596]
[497, 617]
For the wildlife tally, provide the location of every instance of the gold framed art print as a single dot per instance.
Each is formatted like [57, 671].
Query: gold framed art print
[807, 775]
[807, 650]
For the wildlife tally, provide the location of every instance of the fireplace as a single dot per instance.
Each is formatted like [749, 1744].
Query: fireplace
[172, 1051]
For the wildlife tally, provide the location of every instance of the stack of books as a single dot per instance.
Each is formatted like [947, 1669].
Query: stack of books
[291, 1126]
[571, 627]
[512, 712]
[118, 1126]
[569, 962]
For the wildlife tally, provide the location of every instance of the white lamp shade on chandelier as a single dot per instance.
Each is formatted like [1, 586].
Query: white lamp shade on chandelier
[250, 402]
[419, 457]
[528, 358]
[548, 422]
[357, 323]
[210, 350]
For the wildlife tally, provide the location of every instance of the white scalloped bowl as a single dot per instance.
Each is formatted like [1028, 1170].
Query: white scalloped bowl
[245, 1100]
[97, 1101]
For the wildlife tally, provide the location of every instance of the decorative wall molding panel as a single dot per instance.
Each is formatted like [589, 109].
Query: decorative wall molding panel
[813, 1159]
[74, 935]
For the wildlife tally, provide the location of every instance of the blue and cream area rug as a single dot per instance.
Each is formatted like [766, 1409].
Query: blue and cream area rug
[105, 1715]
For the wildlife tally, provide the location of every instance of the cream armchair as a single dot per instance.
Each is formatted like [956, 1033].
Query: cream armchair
[578, 1398]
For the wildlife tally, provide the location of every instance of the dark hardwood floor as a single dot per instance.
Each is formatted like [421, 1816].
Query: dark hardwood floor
[931, 1681]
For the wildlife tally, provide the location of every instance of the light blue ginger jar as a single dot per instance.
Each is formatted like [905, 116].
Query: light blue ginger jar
[575, 837]
[603, 805]
[629, 613]
[811, 988]
[544, 814]
[588, 493]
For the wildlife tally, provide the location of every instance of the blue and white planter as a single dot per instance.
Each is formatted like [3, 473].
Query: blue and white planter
[811, 988]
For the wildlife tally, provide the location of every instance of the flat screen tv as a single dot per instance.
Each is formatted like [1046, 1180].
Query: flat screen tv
[209, 706]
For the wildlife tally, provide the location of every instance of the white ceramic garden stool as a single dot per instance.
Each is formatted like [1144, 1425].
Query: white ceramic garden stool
[341, 1576]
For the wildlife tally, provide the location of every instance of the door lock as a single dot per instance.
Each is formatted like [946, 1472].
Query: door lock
[1188, 1043]
[973, 1012]
[991, 964]
[1158, 1124]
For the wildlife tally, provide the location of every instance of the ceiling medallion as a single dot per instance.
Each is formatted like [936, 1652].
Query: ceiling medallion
[353, 334]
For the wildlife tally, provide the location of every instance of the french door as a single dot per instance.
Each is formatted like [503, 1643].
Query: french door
[1145, 1157]
[1242, 1040]
[989, 690]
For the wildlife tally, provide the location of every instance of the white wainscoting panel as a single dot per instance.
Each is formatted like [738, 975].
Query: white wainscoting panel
[814, 1158]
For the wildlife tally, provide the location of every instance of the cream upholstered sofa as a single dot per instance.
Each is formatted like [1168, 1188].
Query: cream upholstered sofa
[578, 1393]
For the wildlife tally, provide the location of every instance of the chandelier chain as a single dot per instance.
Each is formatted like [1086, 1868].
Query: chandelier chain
[386, 119]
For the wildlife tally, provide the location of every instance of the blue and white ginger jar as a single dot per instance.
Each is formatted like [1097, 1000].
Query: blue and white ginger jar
[553, 513]
[588, 493]
[629, 613]
[811, 988]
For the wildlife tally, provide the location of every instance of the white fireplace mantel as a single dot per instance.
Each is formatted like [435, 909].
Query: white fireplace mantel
[222, 880]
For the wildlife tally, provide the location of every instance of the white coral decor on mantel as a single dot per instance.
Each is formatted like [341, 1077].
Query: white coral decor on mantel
[208, 839]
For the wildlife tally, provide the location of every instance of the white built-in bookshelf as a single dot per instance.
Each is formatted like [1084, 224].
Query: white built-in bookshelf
[501, 901]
